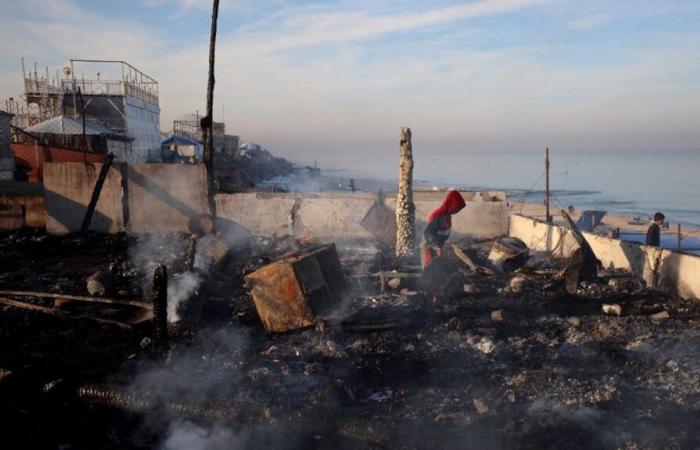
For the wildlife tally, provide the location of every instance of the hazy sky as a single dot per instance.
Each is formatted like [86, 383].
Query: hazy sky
[327, 79]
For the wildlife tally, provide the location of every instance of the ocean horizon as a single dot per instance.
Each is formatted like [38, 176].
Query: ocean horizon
[620, 182]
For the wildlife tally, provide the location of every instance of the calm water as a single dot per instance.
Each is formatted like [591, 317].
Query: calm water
[630, 183]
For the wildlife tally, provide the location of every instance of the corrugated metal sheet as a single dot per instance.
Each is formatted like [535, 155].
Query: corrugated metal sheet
[68, 125]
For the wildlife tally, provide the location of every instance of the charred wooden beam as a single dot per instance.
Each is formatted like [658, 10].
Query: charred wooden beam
[79, 298]
[462, 256]
[160, 307]
[26, 305]
[60, 302]
[96, 192]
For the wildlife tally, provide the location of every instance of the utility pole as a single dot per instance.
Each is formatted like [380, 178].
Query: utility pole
[208, 121]
[546, 185]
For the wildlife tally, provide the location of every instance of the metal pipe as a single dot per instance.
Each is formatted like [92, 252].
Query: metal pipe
[82, 111]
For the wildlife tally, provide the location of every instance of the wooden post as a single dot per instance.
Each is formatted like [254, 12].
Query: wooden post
[405, 209]
[96, 193]
[160, 308]
[208, 121]
[548, 217]
[680, 238]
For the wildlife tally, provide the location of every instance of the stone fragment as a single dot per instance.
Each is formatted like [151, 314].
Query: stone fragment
[613, 309]
[394, 283]
[659, 316]
[574, 321]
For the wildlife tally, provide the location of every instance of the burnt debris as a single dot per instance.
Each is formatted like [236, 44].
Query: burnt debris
[499, 360]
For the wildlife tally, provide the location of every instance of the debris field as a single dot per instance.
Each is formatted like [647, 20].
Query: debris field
[498, 360]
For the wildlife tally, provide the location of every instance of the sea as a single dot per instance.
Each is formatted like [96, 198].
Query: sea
[630, 183]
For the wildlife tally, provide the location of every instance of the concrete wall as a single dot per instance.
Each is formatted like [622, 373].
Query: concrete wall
[67, 191]
[334, 214]
[678, 272]
[161, 197]
[7, 165]
[164, 197]
[21, 205]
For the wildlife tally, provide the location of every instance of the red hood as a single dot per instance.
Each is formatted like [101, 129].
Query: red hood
[453, 203]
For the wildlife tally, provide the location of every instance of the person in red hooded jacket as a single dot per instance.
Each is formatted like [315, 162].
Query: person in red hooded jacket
[439, 226]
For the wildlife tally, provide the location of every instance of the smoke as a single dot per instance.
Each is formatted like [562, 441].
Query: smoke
[180, 288]
[189, 436]
[296, 181]
[211, 371]
[206, 369]
[173, 250]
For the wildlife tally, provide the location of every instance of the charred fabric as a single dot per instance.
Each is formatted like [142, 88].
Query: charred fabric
[222, 340]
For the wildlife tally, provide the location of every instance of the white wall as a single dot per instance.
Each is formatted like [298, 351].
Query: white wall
[339, 214]
[68, 189]
[678, 273]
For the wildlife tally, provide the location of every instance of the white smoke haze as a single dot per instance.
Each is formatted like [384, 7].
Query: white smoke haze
[153, 249]
[204, 369]
[181, 287]
[189, 436]
[172, 248]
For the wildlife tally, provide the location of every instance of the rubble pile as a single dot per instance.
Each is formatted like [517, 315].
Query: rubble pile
[507, 360]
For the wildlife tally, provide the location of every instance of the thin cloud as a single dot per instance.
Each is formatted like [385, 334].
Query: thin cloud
[589, 22]
[303, 79]
[322, 27]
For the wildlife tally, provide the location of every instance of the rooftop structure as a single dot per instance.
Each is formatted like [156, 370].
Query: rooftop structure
[119, 97]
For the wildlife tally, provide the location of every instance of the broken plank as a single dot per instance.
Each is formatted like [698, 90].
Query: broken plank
[79, 298]
[25, 305]
[469, 262]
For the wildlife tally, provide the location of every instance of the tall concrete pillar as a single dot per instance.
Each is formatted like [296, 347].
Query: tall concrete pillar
[405, 209]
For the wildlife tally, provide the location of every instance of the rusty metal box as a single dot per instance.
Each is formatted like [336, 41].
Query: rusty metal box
[291, 292]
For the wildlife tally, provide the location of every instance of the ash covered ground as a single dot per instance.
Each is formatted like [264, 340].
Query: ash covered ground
[401, 371]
